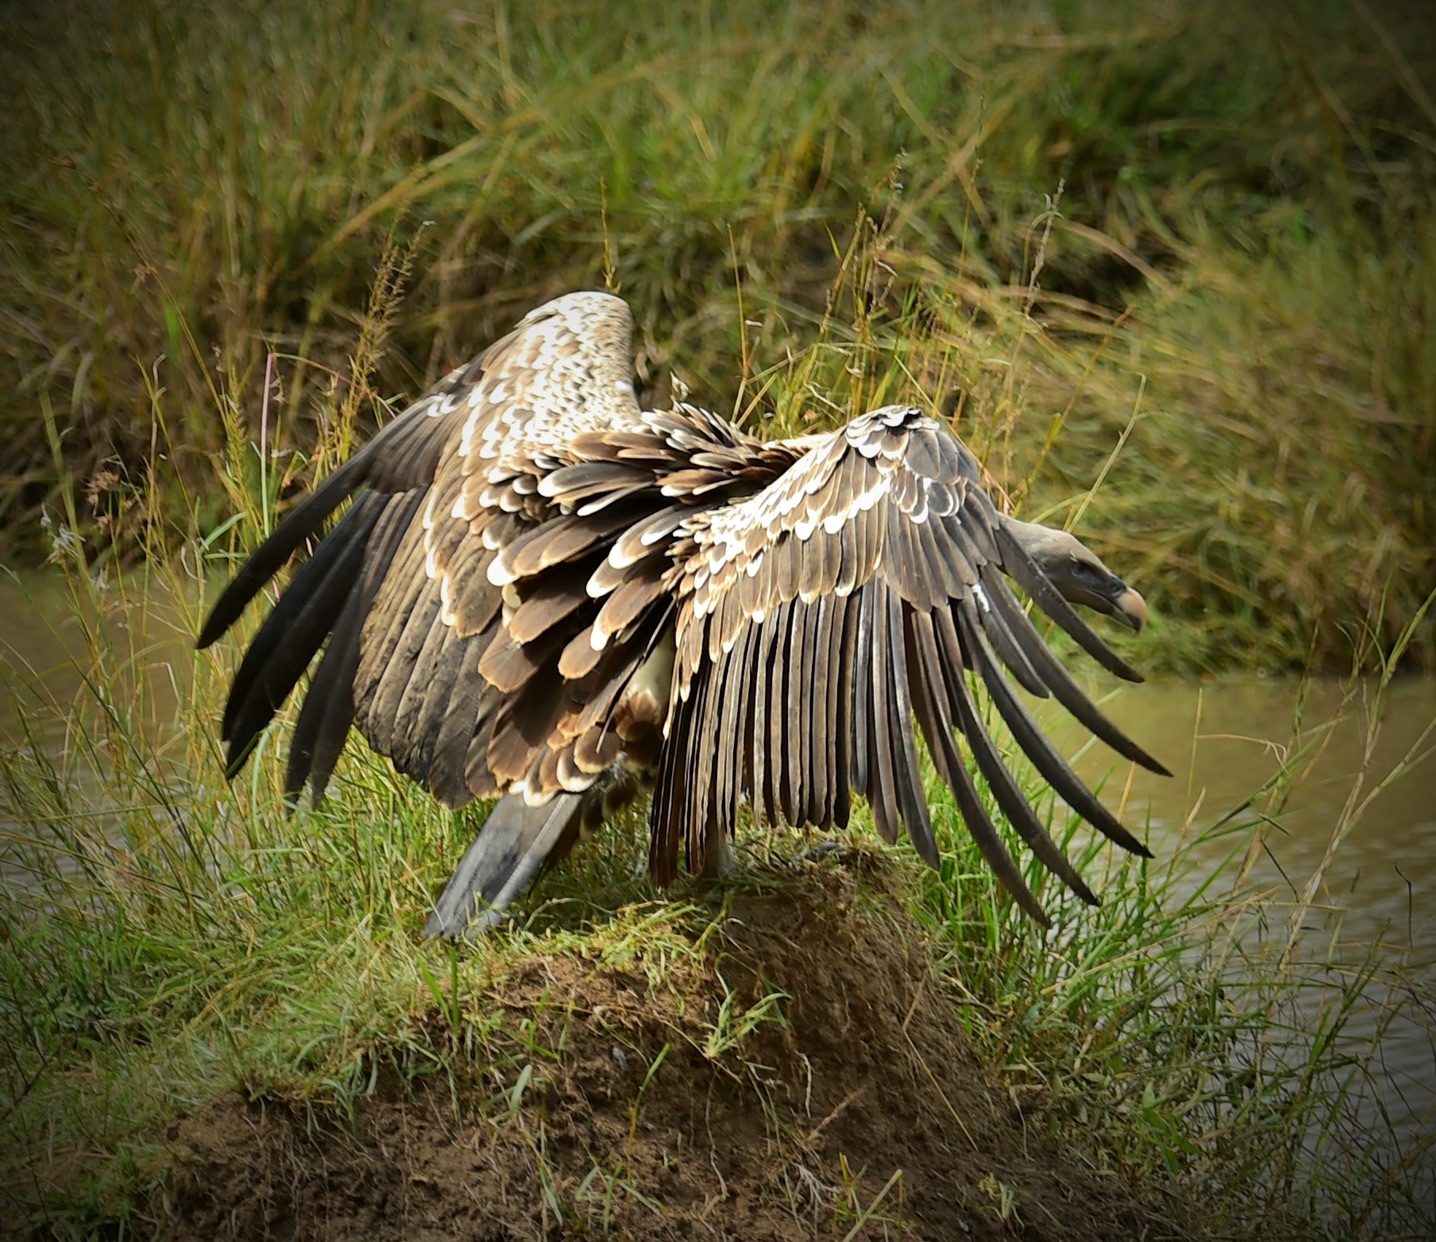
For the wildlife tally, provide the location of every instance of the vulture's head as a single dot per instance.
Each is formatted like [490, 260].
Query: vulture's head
[1078, 573]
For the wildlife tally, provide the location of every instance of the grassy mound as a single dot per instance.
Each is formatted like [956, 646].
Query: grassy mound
[777, 1062]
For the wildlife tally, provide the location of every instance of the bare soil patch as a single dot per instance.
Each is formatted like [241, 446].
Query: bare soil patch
[606, 1101]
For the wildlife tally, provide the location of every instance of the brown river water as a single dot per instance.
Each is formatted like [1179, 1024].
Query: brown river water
[1345, 863]
[1358, 843]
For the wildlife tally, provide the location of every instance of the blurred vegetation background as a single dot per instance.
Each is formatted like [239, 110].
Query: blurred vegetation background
[1185, 251]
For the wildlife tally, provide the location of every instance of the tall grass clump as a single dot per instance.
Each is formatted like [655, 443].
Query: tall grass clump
[1201, 230]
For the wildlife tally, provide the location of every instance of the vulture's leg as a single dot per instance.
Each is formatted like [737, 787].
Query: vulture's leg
[510, 850]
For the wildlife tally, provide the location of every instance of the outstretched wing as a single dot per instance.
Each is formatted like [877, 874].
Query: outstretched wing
[819, 616]
[419, 651]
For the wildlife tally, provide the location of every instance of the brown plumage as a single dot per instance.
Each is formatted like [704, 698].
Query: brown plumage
[543, 592]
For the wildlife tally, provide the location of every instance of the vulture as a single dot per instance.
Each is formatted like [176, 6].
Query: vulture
[544, 594]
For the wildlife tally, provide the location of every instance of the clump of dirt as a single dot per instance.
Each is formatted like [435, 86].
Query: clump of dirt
[800, 1076]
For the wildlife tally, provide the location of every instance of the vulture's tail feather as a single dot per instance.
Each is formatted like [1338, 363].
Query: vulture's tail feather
[513, 846]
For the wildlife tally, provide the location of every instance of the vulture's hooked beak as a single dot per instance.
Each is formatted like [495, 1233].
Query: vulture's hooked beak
[1126, 606]
[1091, 583]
